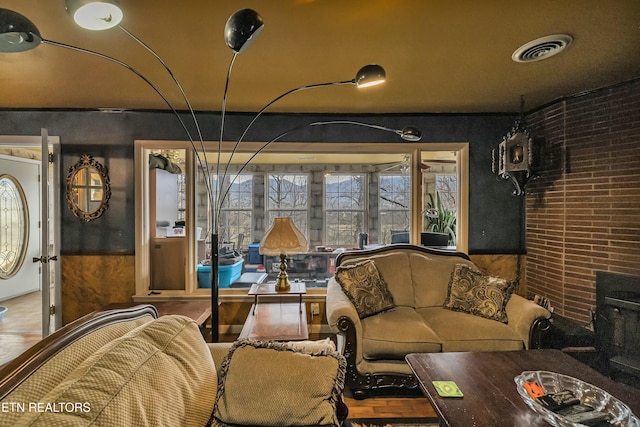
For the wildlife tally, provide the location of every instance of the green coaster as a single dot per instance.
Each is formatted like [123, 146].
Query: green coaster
[447, 388]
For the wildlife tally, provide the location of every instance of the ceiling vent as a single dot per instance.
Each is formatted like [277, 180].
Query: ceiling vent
[542, 48]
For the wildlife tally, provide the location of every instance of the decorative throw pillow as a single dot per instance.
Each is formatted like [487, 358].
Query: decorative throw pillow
[475, 293]
[270, 384]
[365, 287]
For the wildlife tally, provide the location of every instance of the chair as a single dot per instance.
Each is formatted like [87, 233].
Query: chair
[434, 239]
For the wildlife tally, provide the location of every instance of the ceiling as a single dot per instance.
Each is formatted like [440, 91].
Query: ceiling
[440, 56]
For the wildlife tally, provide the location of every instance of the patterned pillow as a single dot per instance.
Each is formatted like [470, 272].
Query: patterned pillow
[365, 287]
[268, 383]
[475, 293]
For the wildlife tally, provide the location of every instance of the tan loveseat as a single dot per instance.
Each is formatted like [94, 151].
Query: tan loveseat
[129, 368]
[418, 280]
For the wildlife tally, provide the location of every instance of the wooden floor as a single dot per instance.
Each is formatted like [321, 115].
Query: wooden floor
[390, 407]
[21, 328]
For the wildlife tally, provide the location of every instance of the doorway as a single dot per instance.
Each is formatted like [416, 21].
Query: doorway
[28, 273]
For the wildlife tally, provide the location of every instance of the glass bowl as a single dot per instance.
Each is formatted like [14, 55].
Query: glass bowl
[588, 394]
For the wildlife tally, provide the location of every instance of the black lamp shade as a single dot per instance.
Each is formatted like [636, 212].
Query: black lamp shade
[370, 75]
[411, 133]
[240, 29]
[17, 33]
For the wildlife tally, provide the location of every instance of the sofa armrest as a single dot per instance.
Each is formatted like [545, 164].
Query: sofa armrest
[338, 306]
[528, 319]
[343, 319]
[219, 351]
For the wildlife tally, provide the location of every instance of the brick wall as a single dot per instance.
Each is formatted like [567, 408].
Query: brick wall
[583, 213]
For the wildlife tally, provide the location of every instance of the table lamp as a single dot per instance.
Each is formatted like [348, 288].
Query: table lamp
[283, 238]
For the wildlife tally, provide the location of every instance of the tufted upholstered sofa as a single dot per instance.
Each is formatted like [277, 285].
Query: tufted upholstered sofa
[418, 280]
[129, 368]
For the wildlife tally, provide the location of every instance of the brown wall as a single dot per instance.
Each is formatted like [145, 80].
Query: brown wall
[583, 213]
[91, 282]
[505, 266]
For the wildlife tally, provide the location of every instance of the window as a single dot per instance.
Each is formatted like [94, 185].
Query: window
[324, 187]
[288, 195]
[344, 208]
[442, 203]
[447, 191]
[236, 210]
[394, 204]
[14, 219]
[182, 198]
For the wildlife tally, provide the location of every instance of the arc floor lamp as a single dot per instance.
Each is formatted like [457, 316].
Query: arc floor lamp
[18, 34]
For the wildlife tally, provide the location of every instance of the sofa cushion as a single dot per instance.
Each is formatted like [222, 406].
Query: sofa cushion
[160, 373]
[365, 287]
[393, 334]
[56, 369]
[475, 293]
[430, 274]
[459, 331]
[256, 386]
[395, 270]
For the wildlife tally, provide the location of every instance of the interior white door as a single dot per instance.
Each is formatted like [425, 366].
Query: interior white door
[50, 150]
[24, 174]
[45, 221]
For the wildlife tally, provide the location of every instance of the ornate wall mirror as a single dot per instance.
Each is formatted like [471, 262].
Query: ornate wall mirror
[88, 188]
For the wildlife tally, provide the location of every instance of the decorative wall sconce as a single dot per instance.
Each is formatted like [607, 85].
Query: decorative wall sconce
[515, 157]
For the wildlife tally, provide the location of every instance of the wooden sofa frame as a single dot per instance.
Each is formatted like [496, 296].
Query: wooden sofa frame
[15, 372]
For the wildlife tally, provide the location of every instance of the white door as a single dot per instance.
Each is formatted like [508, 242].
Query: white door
[19, 241]
[37, 272]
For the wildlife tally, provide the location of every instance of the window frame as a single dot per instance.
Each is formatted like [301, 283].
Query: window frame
[142, 232]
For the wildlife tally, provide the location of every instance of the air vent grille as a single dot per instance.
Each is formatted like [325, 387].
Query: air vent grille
[542, 48]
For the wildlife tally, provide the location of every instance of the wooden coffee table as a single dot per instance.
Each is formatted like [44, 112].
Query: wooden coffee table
[490, 395]
[269, 289]
[281, 320]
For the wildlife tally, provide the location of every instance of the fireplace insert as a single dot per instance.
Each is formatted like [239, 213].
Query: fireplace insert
[617, 322]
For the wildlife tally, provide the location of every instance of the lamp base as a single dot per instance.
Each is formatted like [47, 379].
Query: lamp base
[282, 284]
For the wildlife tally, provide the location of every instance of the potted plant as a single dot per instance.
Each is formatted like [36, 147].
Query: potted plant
[440, 219]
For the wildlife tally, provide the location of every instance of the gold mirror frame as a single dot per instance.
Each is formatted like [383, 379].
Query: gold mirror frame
[88, 189]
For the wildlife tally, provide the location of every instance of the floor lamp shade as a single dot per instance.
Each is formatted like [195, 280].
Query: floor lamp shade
[283, 238]
[17, 33]
[95, 15]
[370, 75]
[411, 133]
[241, 28]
